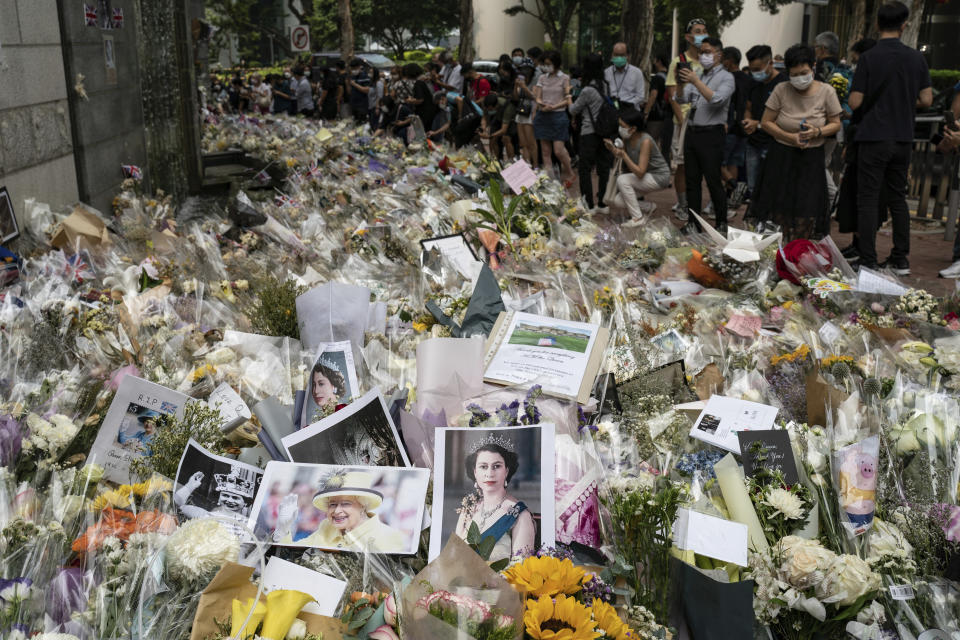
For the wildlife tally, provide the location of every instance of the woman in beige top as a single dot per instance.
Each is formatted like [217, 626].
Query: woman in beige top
[792, 188]
[551, 125]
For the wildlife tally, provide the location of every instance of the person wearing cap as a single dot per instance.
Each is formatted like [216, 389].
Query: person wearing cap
[626, 83]
[350, 502]
[695, 34]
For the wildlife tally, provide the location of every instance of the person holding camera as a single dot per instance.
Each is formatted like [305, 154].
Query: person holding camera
[709, 99]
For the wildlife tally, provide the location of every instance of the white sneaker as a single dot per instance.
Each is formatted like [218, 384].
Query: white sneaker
[708, 210]
[586, 207]
[953, 271]
[680, 213]
[635, 222]
[599, 209]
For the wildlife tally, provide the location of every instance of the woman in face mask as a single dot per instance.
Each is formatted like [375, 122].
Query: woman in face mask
[800, 114]
[593, 154]
[644, 168]
[551, 126]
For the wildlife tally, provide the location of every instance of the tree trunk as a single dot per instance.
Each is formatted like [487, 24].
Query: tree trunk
[346, 29]
[912, 32]
[636, 30]
[466, 52]
[858, 25]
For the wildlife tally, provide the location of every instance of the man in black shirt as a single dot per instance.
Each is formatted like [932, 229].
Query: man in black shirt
[891, 81]
[765, 77]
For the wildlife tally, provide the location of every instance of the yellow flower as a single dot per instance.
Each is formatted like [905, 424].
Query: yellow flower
[282, 607]
[560, 618]
[240, 613]
[419, 327]
[545, 576]
[156, 484]
[118, 498]
[609, 622]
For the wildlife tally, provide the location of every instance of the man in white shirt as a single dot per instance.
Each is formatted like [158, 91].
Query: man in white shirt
[451, 78]
[303, 92]
[626, 83]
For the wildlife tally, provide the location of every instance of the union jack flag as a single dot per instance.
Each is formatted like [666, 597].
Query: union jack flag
[296, 177]
[131, 171]
[263, 177]
[118, 18]
[90, 15]
[283, 200]
[314, 171]
[78, 268]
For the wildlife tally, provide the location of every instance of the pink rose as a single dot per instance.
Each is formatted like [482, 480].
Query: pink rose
[383, 632]
[117, 376]
[390, 610]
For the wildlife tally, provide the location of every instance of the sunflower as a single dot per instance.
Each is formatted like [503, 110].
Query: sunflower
[609, 622]
[119, 497]
[560, 618]
[546, 576]
[156, 484]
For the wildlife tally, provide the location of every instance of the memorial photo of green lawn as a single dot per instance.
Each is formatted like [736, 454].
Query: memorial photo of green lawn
[558, 337]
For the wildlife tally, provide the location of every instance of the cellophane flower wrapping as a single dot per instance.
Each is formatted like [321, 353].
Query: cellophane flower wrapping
[458, 593]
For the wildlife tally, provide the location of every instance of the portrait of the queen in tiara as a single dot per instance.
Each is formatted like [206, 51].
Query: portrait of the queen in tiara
[328, 386]
[490, 466]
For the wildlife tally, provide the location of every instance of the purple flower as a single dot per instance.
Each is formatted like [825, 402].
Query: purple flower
[15, 589]
[11, 439]
[67, 593]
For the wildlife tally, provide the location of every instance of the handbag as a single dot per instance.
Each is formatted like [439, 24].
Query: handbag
[525, 107]
[612, 192]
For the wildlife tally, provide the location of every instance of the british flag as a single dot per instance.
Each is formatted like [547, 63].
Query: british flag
[118, 18]
[131, 171]
[313, 171]
[283, 200]
[90, 15]
[263, 177]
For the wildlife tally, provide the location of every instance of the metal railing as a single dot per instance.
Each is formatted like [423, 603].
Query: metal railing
[933, 178]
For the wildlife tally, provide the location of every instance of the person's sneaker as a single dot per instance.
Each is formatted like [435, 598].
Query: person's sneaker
[898, 266]
[689, 228]
[739, 192]
[708, 210]
[601, 208]
[953, 271]
[873, 266]
[680, 213]
[586, 207]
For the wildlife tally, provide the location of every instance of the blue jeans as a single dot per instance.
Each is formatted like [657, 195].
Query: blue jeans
[755, 157]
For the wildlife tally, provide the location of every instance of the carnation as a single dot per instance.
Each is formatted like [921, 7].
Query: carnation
[784, 502]
[200, 548]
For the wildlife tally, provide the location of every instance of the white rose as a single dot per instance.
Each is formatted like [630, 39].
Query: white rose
[298, 630]
[854, 578]
[805, 561]
[886, 540]
[816, 460]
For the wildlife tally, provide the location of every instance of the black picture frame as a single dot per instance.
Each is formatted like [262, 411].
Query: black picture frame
[9, 229]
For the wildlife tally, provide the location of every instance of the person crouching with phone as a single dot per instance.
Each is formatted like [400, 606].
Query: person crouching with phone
[799, 115]
[709, 98]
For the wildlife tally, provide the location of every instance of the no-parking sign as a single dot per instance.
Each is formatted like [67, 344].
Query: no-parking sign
[300, 38]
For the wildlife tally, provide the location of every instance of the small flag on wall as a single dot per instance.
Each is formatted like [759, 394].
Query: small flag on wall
[118, 18]
[131, 171]
[90, 15]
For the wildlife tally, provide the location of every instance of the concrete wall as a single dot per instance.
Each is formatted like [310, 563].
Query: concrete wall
[36, 149]
[108, 126]
[495, 32]
[756, 26]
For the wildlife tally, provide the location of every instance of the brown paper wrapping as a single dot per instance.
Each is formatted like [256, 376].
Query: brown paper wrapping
[81, 230]
[233, 582]
[890, 335]
[708, 382]
[819, 394]
[460, 570]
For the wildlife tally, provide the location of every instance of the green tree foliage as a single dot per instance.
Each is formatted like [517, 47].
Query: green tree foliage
[401, 26]
[250, 21]
[716, 13]
[555, 15]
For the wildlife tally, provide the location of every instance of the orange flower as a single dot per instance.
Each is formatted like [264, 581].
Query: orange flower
[121, 524]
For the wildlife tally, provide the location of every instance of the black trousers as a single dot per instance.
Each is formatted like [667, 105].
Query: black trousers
[702, 157]
[882, 166]
[593, 153]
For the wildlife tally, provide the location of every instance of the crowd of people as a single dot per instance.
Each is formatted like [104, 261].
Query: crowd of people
[799, 138]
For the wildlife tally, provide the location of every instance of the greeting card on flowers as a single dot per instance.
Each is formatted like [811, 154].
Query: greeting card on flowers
[711, 536]
[724, 417]
[519, 176]
[326, 591]
[131, 424]
[457, 250]
[562, 356]
[770, 451]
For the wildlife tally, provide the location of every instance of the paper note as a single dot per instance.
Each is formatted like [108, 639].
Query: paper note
[872, 282]
[711, 536]
[743, 325]
[519, 175]
[724, 417]
[327, 591]
[231, 406]
[323, 135]
[830, 332]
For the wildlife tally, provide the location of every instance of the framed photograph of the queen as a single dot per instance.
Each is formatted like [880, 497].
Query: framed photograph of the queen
[501, 480]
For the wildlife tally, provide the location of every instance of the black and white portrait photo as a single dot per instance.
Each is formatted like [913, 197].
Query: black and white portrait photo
[8, 220]
[209, 485]
[362, 433]
[501, 480]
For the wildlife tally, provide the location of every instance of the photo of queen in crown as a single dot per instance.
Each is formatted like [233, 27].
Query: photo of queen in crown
[328, 386]
[493, 480]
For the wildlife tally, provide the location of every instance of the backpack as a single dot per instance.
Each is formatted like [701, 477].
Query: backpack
[607, 122]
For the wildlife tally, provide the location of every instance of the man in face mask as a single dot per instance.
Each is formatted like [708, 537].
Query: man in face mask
[695, 35]
[709, 99]
[765, 77]
[625, 82]
[517, 57]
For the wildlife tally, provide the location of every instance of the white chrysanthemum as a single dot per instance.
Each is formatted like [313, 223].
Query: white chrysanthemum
[784, 502]
[199, 548]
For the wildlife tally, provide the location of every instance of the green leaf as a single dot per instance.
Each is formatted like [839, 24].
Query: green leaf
[356, 624]
[486, 546]
[500, 565]
[473, 534]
